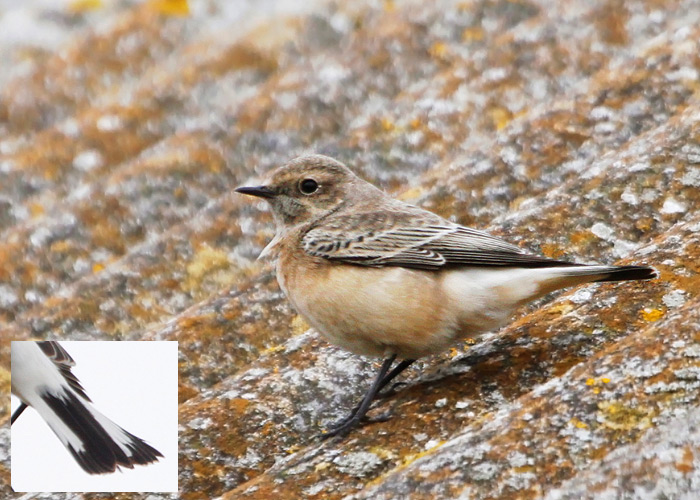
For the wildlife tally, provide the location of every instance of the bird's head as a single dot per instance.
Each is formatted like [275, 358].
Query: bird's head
[308, 188]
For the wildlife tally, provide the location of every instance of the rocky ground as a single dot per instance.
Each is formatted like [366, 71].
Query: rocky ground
[570, 128]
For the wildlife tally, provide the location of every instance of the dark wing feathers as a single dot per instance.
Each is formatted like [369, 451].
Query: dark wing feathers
[415, 239]
[56, 353]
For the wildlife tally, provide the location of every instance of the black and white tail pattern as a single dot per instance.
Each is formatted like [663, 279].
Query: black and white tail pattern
[629, 273]
[42, 379]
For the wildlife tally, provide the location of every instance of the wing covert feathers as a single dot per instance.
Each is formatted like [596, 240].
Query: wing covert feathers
[414, 238]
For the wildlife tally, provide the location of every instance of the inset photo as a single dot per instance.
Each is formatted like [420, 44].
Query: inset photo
[94, 416]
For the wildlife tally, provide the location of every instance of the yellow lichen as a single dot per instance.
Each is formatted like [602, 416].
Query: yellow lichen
[577, 423]
[409, 459]
[562, 308]
[299, 326]
[171, 7]
[208, 264]
[273, 349]
[406, 461]
[618, 416]
[4, 376]
[387, 124]
[84, 5]
[322, 466]
[438, 49]
[36, 209]
[410, 194]
[473, 34]
[60, 246]
[500, 117]
[652, 315]
[383, 453]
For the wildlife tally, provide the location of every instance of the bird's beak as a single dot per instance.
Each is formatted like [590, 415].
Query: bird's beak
[260, 191]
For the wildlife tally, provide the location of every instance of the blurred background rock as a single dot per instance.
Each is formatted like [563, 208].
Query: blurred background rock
[571, 128]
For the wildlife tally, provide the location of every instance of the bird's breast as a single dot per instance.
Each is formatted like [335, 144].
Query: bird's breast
[373, 311]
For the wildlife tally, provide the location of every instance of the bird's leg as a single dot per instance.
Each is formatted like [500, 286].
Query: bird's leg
[398, 369]
[17, 412]
[358, 413]
[384, 382]
[345, 425]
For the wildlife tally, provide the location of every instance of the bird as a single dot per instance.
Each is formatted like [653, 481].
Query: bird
[42, 379]
[384, 278]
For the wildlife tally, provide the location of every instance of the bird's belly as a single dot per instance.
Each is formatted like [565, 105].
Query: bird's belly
[381, 311]
[374, 311]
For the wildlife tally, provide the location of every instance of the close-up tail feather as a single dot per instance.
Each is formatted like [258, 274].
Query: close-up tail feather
[96, 443]
[42, 379]
[628, 273]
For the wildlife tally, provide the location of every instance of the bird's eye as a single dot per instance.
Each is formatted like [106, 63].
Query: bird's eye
[308, 186]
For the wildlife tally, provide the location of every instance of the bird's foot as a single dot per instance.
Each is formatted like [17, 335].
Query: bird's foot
[343, 426]
[391, 390]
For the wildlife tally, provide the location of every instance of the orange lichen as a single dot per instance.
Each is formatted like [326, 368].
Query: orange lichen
[686, 463]
[185, 392]
[238, 405]
[552, 251]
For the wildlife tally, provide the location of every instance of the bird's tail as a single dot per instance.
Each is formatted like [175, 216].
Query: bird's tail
[626, 273]
[556, 277]
[97, 444]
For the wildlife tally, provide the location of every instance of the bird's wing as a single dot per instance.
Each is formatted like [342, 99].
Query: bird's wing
[416, 239]
[63, 361]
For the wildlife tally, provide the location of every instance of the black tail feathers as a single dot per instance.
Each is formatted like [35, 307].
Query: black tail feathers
[625, 273]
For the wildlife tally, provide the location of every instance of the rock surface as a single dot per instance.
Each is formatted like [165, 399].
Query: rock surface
[570, 128]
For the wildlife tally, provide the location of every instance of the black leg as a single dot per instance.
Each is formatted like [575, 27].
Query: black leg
[385, 381]
[398, 369]
[17, 412]
[356, 415]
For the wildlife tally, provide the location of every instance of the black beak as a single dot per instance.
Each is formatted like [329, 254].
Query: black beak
[261, 191]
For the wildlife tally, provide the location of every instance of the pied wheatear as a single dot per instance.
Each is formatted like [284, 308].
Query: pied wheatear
[41, 378]
[384, 278]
